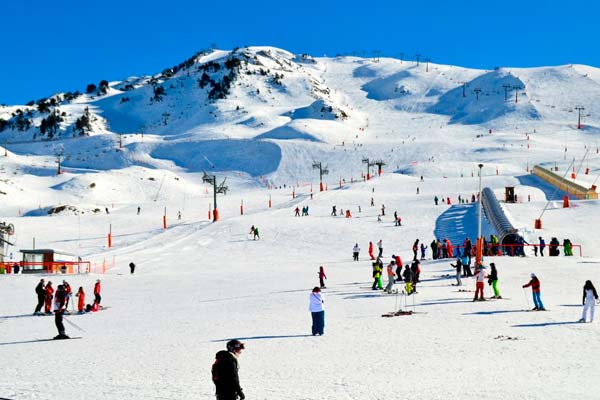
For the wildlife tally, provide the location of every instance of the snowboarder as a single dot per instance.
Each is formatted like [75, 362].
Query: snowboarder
[493, 280]
[322, 277]
[225, 372]
[81, 302]
[479, 280]
[458, 267]
[59, 309]
[355, 251]
[589, 300]
[40, 290]
[371, 251]
[132, 267]
[380, 246]
[542, 246]
[317, 311]
[97, 297]
[535, 291]
[391, 275]
[49, 297]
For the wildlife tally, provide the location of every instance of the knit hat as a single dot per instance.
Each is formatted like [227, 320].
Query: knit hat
[532, 275]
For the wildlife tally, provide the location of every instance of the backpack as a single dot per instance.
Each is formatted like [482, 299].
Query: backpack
[216, 368]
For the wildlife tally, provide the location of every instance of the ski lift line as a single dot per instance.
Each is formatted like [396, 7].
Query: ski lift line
[582, 160]
[555, 190]
[160, 187]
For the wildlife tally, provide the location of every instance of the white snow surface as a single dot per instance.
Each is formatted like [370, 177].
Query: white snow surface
[199, 284]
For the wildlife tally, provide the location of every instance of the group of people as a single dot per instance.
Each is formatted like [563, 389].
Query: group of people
[304, 211]
[58, 302]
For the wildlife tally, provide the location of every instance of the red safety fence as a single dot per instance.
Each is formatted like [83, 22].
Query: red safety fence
[64, 267]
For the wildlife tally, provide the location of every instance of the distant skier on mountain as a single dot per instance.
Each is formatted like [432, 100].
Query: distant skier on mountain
[255, 233]
[415, 249]
[297, 212]
[380, 247]
[589, 300]
[355, 252]
[333, 211]
[535, 291]
[436, 200]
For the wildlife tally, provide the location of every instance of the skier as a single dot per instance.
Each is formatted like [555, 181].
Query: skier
[97, 297]
[398, 262]
[138, 210]
[132, 267]
[255, 234]
[372, 202]
[40, 290]
[535, 291]
[436, 200]
[423, 249]
[317, 311]
[434, 249]
[493, 280]
[179, 215]
[391, 275]
[355, 251]
[383, 210]
[479, 279]
[333, 211]
[589, 300]
[408, 279]
[81, 302]
[322, 276]
[49, 297]
[380, 246]
[458, 267]
[297, 210]
[466, 264]
[415, 248]
[371, 251]
[567, 247]
[542, 246]
[68, 293]
[59, 309]
[225, 372]
[416, 271]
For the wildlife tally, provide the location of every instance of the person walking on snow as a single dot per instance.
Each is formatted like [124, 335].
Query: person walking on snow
[59, 309]
[97, 297]
[589, 300]
[380, 246]
[40, 290]
[542, 246]
[49, 297]
[493, 280]
[371, 251]
[355, 251]
[535, 291]
[322, 277]
[297, 210]
[333, 211]
[391, 275]
[317, 311]
[376, 277]
[81, 302]
[479, 283]
[458, 267]
[255, 234]
[225, 372]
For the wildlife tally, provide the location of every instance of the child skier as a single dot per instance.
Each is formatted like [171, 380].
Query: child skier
[376, 277]
[589, 300]
[81, 302]
[479, 280]
[493, 280]
[535, 291]
[322, 276]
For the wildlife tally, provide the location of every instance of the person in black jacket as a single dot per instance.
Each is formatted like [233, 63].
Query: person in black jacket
[40, 290]
[225, 372]
[60, 299]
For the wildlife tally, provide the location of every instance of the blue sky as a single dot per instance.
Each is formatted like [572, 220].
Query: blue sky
[62, 46]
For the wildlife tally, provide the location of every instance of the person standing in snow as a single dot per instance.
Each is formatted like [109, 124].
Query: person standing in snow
[542, 246]
[415, 269]
[408, 280]
[97, 297]
[376, 277]
[380, 246]
[49, 297]
[383, 210]
[535, 291]
[423, 249]
[589, 300]
[458, 267]
[68, 293]
[436, 200]
[390, 275]
[225, 372]
[493, 280]
[333, 211]
[322, 277]
[40, 290]
[255, 234]
[132, 267]
[81, 302]
[59, 309]
[297, 212]
[317, 311]
[371, 251]
[355, 251]
[398, 262]
[479, 283]
[466, 265]
[415, 248]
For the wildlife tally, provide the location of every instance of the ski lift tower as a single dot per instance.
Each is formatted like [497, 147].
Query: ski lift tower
[5, 231]
[322, 171]
[379, 163]
[366, 161]
[212, 179]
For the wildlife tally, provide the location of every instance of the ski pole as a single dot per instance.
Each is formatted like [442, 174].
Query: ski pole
[74, 325]
[526, 299]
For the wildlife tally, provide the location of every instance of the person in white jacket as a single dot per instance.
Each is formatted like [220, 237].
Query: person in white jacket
[355, 251]
[317, 311]
[589, 300]
[480, 276]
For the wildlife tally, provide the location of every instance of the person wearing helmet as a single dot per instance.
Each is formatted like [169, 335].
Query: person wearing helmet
[225, 372]
[535, 291]
[59, 308]
[97, 297]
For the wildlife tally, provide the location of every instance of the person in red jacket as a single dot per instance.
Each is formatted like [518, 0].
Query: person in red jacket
[535, 291]
[97, 297]
[49, 296]
[371, 251]
[68, 293]
[322, 277]
[81, 301]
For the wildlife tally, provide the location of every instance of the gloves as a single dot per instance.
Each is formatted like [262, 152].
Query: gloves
[523, 286]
